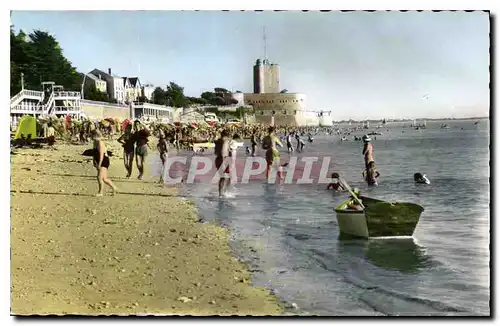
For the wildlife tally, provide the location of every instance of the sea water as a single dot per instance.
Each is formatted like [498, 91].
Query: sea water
[289, 236]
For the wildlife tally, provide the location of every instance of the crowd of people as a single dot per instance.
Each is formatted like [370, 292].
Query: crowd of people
[134, 136]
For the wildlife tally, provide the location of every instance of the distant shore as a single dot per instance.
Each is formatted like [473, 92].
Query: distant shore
[410, 120]
[141, 251]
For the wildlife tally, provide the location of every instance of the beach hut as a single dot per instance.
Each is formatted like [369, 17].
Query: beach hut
[27, 126]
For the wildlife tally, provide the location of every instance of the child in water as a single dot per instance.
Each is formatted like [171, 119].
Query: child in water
[371, 175]
[335, 184]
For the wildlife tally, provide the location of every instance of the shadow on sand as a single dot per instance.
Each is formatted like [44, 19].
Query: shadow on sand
[93, 177]
[90, 195]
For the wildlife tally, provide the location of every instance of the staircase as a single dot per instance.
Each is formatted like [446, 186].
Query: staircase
[25, 94]
[48, 107]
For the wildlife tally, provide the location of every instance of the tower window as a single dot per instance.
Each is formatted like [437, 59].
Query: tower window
[284, 112]
[261, 112]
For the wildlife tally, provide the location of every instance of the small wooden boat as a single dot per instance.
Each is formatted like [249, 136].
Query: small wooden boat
[377, 218]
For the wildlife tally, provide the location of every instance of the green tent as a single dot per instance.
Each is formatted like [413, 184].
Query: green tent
[27, 126]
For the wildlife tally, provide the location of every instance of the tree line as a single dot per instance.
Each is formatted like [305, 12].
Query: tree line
[37, 57]
[174, 96]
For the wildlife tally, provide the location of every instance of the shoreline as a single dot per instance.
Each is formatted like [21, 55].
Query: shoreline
[142, 251]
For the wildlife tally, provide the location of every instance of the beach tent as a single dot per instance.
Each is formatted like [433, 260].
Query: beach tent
[27, 126]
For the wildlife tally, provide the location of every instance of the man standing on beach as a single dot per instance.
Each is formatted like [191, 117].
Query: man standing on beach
[222, 158]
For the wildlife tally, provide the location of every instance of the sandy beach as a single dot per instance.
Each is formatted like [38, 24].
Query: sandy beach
[141, 251]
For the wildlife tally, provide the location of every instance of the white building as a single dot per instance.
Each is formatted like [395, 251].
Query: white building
[147, 91]
[115, 84]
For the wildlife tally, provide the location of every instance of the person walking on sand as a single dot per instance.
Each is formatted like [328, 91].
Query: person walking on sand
[162, 147]
[221, 150]
[128, 144]
[101, 163]
[141, 149]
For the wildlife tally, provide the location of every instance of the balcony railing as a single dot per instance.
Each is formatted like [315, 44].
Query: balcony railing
[24, 93]
[27, 109]
[67, 94]
[66, 109]
[28, 92]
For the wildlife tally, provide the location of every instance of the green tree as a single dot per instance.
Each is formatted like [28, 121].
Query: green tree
[219, 97]
[221, 90]
[159, 96]
[142, 99]
[175, 96]
[93, 94]
[40, 57]
[197, 100]
[20, 62]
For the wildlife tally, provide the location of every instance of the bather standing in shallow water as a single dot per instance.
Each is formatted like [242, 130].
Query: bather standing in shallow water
[368, 151]
[269, 143]
[222, 157]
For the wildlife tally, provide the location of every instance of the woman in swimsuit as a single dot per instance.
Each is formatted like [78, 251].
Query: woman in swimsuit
[101, 163]
[272, 155]
[127, 141]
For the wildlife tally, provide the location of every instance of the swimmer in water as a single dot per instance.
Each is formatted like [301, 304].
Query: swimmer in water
[269, 144]
[421, 178]
[222, 156]
[371, 174]
[335, 184]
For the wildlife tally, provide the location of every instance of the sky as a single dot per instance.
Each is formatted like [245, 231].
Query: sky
[360, 65]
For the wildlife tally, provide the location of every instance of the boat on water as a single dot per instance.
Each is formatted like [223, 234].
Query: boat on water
[377, 218]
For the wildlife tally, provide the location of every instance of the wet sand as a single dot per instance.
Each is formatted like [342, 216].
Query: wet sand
[141, 251]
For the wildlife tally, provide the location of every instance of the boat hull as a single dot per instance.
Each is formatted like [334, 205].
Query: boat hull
[379, 219]
[392, 220]
[353, 223]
